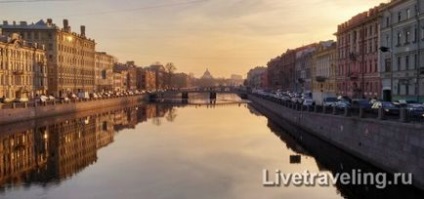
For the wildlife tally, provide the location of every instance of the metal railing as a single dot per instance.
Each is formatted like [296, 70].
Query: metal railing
[378, 114]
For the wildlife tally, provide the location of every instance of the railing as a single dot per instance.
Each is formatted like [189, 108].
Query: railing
[34, 103]
[378, 114]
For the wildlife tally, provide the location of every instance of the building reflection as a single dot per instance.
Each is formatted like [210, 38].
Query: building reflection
[17, 156]
[57, 150]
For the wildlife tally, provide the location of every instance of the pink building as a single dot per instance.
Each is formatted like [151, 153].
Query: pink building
[357, 73]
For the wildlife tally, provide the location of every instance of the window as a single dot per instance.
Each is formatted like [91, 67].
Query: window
[387, 21]
[398, 64]
[375, 66]
[408, 13]
[104, 74]
[415, 61]
[399, 37]
[407, 33]
[407, 62]
[399, 16]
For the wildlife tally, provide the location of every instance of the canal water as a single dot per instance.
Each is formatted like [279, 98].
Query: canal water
[191, 150]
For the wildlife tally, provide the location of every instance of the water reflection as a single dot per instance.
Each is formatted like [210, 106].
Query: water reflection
[169, 151]
[31, 153]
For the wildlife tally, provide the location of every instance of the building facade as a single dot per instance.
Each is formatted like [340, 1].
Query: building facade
[358, 52]
[130, 70]
[104, 71]
[70, 56]
[120, 81]
[160, 75]
[303, 68]
[323, 71]
[402, 56]
[23, 70]
[255, 77]
[146, 79]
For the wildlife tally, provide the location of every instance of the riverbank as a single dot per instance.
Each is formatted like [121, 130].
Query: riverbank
[11, 115]
[392, 146]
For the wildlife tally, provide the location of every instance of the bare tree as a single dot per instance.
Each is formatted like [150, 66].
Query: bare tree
[170, 69]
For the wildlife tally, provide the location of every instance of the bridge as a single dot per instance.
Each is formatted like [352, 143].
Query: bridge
[184, 93]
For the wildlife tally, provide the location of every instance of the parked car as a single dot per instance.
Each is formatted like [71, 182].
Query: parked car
[415, 110]
[361, 103]
[346, 98]
[329, 101]
[342, 104]
[400, 103]
[83, 95]
[41, 98]
[388, 107]
[93, 96]
[297, 100]
[64, 99]
[72, 96]
[308, 102]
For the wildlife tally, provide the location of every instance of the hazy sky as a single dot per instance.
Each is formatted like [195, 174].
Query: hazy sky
[226, 36]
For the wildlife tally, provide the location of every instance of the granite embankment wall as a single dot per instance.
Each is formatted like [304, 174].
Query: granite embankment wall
[392, 146]
[10, 115]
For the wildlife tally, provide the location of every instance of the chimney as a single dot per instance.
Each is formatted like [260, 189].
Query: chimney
[23, 23]
[66, 25]
[83, 31]
[49, 22]
[5, 23]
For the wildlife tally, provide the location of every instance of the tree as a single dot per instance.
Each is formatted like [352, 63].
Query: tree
[170, 69]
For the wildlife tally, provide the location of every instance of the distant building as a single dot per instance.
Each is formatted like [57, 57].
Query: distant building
[206, 80]
[146, 79]
[236, 80]
[120, 81]
[104, 71]
[207, 75]
[23, 69]
[130, 70]
[255, 77]
[70, 56]
[181, 80]
[323, 71]
[303, 68]
[160, 75]
[281, 71]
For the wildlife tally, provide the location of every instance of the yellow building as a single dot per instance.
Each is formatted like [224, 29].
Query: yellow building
[104, 71]
[70, 55]
[23, 71]
[323, 71]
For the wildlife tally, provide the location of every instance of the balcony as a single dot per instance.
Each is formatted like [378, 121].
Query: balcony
[320, 78]
[353, 75]
[18, 72]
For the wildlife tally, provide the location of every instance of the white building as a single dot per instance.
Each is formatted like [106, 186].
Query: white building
[402, 44]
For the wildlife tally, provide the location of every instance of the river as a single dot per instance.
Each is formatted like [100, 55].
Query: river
[194, 150]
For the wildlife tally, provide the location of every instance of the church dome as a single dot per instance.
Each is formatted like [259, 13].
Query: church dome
[207, 75]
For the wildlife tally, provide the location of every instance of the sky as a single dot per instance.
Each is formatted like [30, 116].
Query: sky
[225, 36]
